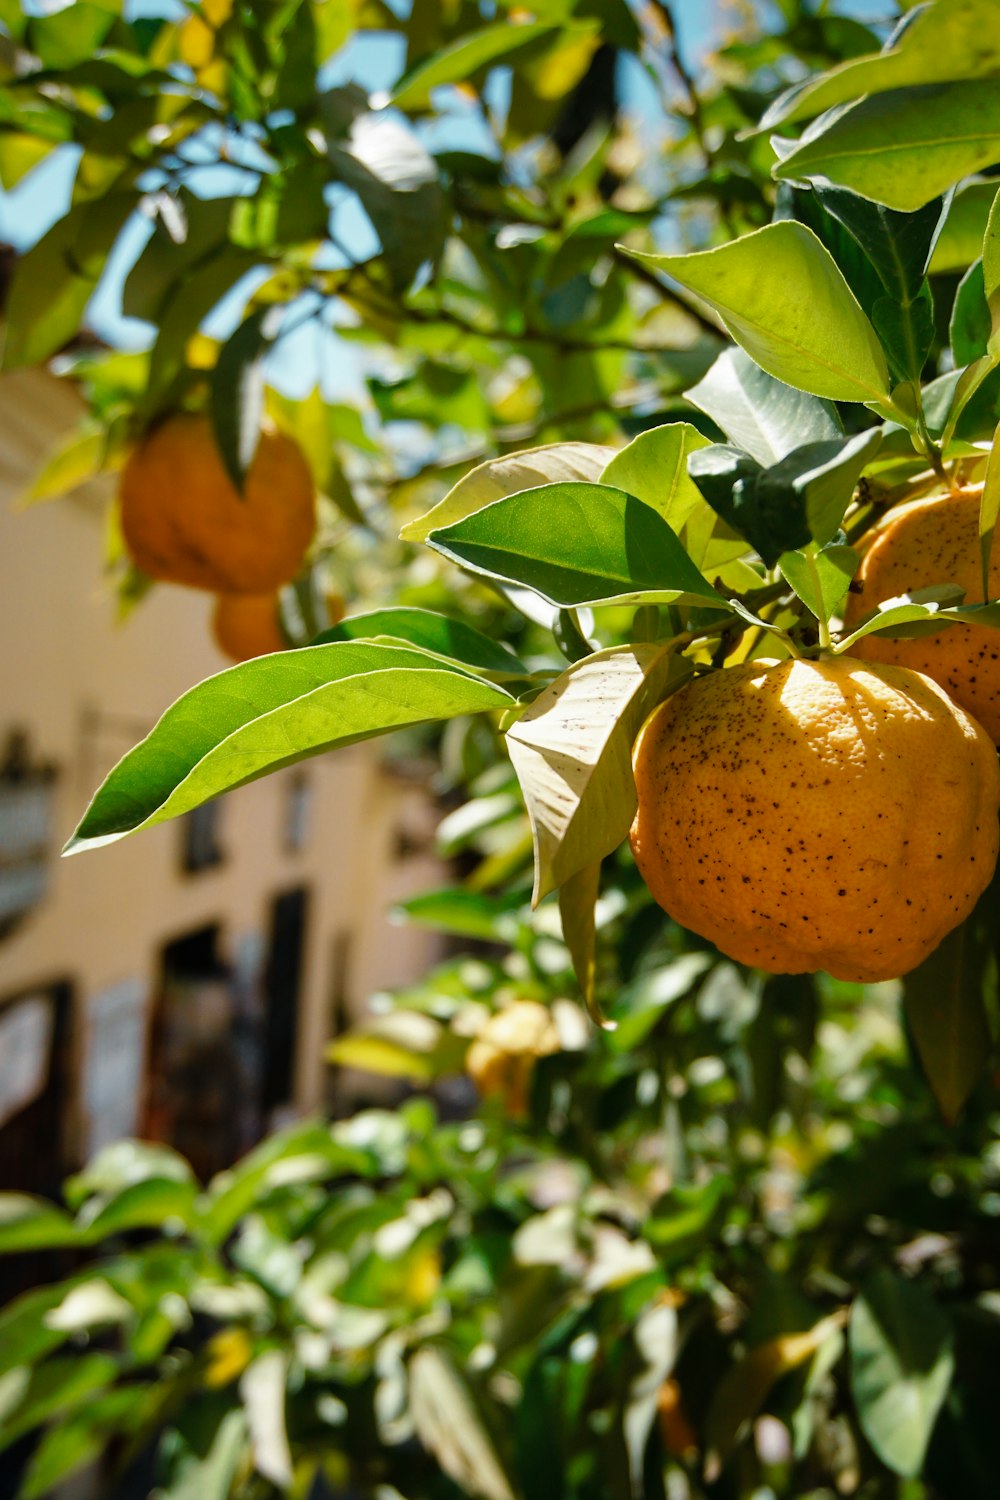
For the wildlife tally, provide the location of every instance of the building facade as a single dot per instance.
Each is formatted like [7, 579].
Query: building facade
[180, 984]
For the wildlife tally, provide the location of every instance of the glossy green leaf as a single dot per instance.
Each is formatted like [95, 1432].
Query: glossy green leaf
[268, 713]
[921, 613]
[574, 544]
[441, 634]
[820, 577]
[653, 467]
[901, 1365]
[497, 477]
[572, 751]
[950, 40]
[457, 62]
[991, 275]
[960, 240]
[970, 326]
[784, 300]
[801, 498]
[903, 148]
[760, 414]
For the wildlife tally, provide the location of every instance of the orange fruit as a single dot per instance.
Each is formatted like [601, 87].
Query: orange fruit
[246, 625]
[808, 815]
[928, 542]
[184, 521]
[502, 1059]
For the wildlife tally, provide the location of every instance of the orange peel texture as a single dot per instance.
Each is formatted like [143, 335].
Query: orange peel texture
[924, 543]
[807, 815]
[184, 521]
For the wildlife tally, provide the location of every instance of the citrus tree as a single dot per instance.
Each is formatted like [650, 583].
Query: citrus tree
[697, 443]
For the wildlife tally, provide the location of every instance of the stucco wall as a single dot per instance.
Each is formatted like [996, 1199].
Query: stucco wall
[85, 689]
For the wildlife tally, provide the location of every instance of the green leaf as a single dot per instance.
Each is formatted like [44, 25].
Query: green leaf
[86, 455]
[970, 326]
[898, 245]
[640, 1004]
[271, 712]
[210, 1477]
[497, 477]
[759, 414]
[820, 577]
[576, 543]
[577, 903]
[457, 62]
[901, 1364]
[189, 302]
[960, 240]
[464, 913]
[396, 179]
[54, 1388]
[922, 613]
[989, 509]
[439, 634]
[28, 1223]
[781, 508]
[187, 233]
[55, 280]
[653, 467]
[903, 148]
[20, 153]
[952, 40]
[451, 1422]
[572, 751]
[144, 1205]
[782, 297]
[991, 275]
[82, 1437]
[237, 390]
[945, 1009]
[403, 1044]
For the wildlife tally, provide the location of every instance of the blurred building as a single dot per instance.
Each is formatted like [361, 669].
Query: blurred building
[180, 984]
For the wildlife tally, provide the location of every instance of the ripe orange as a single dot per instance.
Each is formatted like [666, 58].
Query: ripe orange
[246, 625]
[183, 520]
[810, 815]
[927, 542]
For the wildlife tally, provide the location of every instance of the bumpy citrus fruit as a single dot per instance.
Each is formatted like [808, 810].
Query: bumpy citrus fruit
[184, 521]
[810, 815]
[501, 1060]
[246, 625]
[925, 543]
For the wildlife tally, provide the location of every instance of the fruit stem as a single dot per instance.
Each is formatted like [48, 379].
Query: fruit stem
[822, 623]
